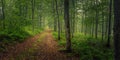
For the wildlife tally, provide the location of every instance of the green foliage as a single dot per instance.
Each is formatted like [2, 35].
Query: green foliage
[55, 35]
[88, 48]
[11, 37]
[91, 49]
[25, 18]
[30, 51]
[62, 37]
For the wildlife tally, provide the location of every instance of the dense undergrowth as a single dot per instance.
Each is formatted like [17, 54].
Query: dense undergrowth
[87, 47]
[10, 37]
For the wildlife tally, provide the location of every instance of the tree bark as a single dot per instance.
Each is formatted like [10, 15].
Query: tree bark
[96, 27]
[33, 5]
[3, 13]
[57, 13]
[67, 25]
[109, 23]
[117, 29]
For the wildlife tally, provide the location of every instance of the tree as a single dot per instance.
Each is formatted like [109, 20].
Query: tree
[109, 23]
[67, 25]
[73, 18]
[117, 29]
[33, 9]
[54, 13]
[57, 13]
[96, 21]
[3, 12]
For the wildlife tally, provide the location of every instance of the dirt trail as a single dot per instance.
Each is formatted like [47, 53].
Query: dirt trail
[44, 47]
[13, 51]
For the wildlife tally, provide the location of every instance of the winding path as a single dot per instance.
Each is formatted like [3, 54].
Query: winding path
[40, 47]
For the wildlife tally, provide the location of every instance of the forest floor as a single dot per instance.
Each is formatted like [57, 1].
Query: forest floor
[40, 47]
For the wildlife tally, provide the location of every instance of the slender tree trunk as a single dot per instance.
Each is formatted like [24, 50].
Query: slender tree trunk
[3, 12]
[96, 27]
[57, 13]
[93, 26]
[54, 13]
[33, 5]
[82, 26]
[72, 15]
[109, 23]
[3, 9]
[40, 15]
[102, 25]
[61, 11]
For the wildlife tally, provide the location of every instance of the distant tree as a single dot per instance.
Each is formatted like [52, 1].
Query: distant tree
[54, 15]
[3, 13]
[58, 19]
[96, 21]
[33, 11]
[73, 17]
[3, 9]
[109, 23]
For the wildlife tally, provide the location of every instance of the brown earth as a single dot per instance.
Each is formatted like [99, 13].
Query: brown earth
[40, 47]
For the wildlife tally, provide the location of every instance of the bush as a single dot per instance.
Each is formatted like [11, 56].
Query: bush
[88, 48]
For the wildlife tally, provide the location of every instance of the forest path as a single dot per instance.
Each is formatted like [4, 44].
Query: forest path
[40, 47]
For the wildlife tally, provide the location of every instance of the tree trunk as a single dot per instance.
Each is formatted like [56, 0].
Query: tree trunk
[67, 25]
[3, 13]
[57, 13]
[54, 13]
[96, 27]
[109, 23]
[33, 5]
[117, 29]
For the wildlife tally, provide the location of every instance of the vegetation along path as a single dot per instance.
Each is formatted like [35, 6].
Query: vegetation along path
[40, 47]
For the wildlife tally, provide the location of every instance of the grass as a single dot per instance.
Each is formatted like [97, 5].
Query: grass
[30, 52]
[87, 47]
[10, 37]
